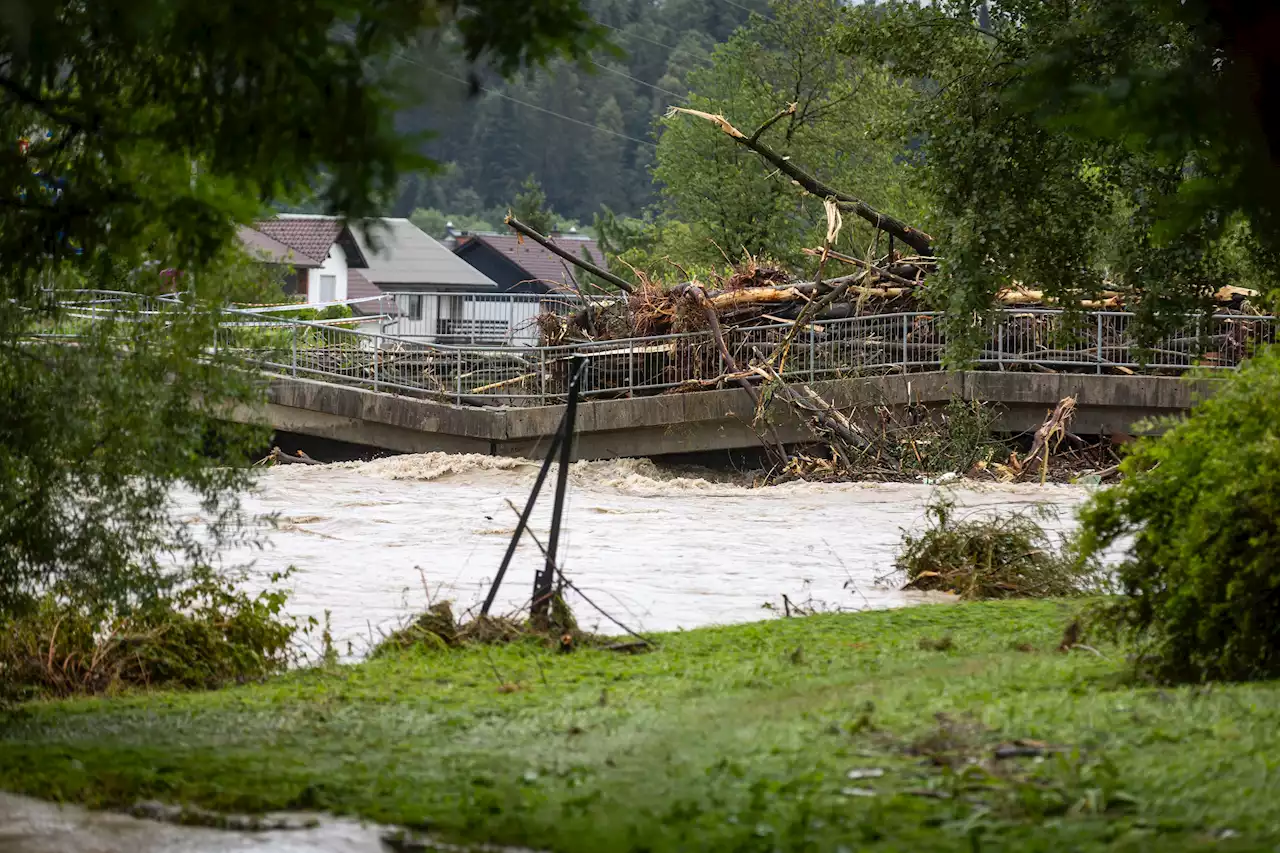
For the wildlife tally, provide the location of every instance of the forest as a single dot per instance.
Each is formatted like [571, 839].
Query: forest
[585, 131]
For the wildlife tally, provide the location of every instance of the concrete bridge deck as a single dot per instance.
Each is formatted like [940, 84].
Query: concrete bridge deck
[708, 420]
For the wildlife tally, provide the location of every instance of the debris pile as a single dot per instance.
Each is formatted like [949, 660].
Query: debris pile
[985, 556]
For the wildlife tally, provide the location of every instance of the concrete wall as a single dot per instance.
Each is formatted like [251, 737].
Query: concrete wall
[712, 420]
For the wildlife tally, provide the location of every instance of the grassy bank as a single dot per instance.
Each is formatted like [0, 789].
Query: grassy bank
[738, 738]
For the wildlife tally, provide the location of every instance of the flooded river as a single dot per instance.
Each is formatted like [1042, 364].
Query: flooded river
[660, 549]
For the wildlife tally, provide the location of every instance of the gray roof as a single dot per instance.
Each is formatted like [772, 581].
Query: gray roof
[272, 251]
[400, 253]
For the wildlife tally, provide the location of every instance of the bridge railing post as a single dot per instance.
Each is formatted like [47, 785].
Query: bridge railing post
[906, 319]
[542, 376]
[377, 357]
[1098, 343]
[631, 366]
[1000, 341]
[457, 379]
[293, 345]
[812, 346]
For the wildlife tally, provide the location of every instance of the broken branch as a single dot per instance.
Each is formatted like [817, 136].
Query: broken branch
[913, 237]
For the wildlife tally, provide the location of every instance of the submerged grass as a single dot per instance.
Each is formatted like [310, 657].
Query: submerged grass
[823, 733]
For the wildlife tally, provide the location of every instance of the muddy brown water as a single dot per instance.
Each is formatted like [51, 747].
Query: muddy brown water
[660, 549]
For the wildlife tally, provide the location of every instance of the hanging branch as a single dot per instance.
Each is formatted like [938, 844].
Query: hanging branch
[913, 237]
[519, 227]
[789, 110]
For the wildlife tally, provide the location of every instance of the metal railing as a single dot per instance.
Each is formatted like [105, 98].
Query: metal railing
[537, 375]
[486, 319]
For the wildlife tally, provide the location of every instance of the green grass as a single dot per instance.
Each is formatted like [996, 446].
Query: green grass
[725, 739]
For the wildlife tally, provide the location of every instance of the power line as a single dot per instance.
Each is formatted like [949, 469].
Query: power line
[698, 56]
[638, 80]
[750, 11]
[540, 109]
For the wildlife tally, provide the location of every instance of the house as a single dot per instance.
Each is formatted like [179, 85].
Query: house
[321, 249]
[391, 269]
[523, 266]
[332, 261]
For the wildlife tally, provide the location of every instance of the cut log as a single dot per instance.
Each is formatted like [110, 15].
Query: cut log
[729, 299]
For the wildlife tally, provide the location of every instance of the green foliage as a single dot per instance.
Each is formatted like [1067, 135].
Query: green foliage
[94, 436]
[648, 247]
[1178, 83]
[983, 555]
[1024, 192]
[430, 220]
[1196, 517]
[962, 436]
[208, 633]
[138, 133]
[145, 118]
[717, 741]
[530, 207]
[585, 129]
[840, 131]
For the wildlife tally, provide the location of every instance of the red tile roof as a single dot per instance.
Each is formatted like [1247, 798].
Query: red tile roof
[539, 263]
[307, 235]
[359, 287]
[272, 251]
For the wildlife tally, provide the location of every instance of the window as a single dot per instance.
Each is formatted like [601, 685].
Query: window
[328, 288]
[413, 307]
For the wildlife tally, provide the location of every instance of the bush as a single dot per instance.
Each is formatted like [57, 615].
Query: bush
[1201, 579]
[990, 555]
[209, 633]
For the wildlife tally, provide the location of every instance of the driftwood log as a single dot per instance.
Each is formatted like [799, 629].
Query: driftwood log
[279, 457]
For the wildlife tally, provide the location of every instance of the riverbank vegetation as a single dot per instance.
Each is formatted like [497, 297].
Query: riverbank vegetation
[1200, 579]
[846, 730]
[985, 555]
[204, 634]
[138, 135]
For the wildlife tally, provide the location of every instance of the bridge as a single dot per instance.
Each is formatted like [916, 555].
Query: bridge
[703, 421]
[669, 394]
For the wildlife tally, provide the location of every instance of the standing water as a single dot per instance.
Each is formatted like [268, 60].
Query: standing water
[659, 549]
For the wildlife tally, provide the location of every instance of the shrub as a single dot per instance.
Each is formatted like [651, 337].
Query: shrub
[988, 555]
[1201, 577]
[206, 634]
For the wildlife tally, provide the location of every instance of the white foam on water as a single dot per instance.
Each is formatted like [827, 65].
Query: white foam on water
[660, 548]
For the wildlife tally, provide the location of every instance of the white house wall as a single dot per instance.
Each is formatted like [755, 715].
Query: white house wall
[335, 265]
[425, 327]
[482, 318]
